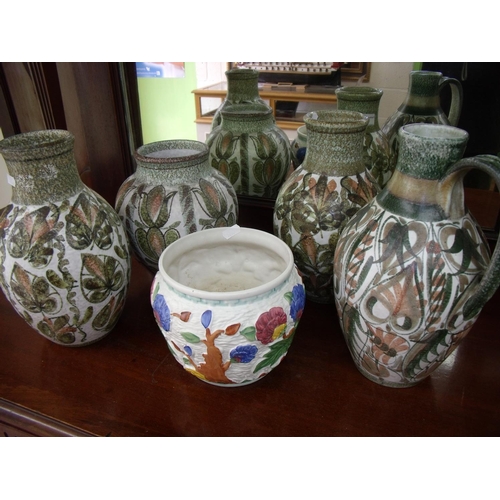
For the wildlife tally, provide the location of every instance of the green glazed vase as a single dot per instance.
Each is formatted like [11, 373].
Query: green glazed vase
[322, 194]
[412, 269]
[422, 104]
[379, 160]
[299, 145]
[242, 88]
[64, 258]
[250, 150]
[173, 192]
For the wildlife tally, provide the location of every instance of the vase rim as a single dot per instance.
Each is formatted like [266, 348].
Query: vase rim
[215, 238]
[434, 131]
[360, 93]
[36, 144]
[183, 150]
[336, 121]
[244, 73]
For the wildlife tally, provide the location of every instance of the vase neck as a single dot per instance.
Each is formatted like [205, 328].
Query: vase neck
[416, 190]
[42, 167]
[365, 100]
[423, 94]
[242, 85]
[335, 142]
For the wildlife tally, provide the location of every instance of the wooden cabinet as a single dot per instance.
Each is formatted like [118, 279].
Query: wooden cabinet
[282, 102]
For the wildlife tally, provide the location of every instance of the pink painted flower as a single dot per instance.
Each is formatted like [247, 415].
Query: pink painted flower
[271, 325]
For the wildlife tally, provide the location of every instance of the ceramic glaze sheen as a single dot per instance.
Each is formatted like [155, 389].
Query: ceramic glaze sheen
[412, 269]
[318, 198]
[173, 192]
[228, 303]
[64, 258]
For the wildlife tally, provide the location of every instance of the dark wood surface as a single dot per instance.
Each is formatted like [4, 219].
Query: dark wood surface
[128, 384]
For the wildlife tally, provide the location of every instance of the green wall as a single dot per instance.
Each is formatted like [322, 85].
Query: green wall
[167, 106]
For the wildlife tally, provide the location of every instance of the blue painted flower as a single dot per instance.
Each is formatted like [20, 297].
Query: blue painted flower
[206, 318]
[161, 312]
[298, 302]
[188, 350]
[243, 353]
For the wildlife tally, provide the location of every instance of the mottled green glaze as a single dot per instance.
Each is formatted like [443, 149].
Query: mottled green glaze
[321, 195]
[422, 104]
[64, 257]
[250, 150]
[379, 160]
[242, 88]
[43, 166]
[173, 192]
[412, 268]
[365, 100]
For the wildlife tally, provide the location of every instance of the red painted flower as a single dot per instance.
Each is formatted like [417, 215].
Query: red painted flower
[271, 325]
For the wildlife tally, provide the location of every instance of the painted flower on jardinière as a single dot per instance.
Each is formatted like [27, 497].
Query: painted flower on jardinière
[243, 353]
[298, 302]
[161, 312]
[271, 325]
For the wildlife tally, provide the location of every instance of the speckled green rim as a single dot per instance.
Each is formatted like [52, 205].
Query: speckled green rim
[328, 121]
[36, 145]
[359, 93]
[181, 161]
[247, 111]
[242, 74]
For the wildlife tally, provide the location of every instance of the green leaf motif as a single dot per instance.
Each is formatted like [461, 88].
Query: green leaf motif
[249, 332]
[275, 353]
[34, 293]
[100, 277]
[190, 337]
[88, 223]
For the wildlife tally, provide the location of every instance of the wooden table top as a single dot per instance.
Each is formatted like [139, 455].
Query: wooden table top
[128, 384]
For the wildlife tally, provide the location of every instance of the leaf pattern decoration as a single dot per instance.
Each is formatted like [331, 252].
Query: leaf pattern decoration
[34, 293]
[225, 145]
[87, 223]
[100, 276]
[58, 329]
[33, 236]
[155, 206]
[108, 316]
[276, 352]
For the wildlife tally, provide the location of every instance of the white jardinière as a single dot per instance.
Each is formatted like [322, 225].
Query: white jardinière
[228, 301]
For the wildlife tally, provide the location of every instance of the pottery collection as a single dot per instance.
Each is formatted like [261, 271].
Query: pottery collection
[368, 221]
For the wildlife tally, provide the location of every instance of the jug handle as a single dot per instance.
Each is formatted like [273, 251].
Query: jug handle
[489, 164]
[456, 98]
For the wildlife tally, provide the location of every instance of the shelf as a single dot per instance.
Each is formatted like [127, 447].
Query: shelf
[312, 94]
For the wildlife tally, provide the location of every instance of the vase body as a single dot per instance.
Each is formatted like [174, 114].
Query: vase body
[422, 104]
[379, 160]
[228, 303]
[319, 197]
[412, 269]
[173, 192]
[299, 145]
[250, 150]
[64, 257]
[242, 88]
